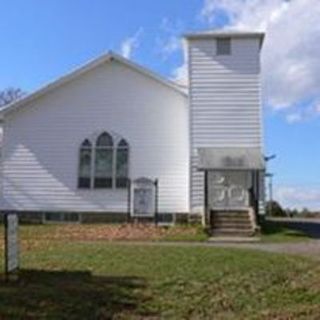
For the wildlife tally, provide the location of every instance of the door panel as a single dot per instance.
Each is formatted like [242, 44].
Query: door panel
[219, 196]
[228, 189]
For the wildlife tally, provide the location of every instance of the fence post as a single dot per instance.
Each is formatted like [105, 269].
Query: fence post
[129, 202]
[156, 183]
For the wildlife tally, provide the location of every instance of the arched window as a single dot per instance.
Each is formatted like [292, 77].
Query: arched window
[84, 180]
[103, 172]
[122, 161]
[104, 164]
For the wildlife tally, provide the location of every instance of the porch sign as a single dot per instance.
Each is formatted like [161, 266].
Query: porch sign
[144, 198]
[11, 243]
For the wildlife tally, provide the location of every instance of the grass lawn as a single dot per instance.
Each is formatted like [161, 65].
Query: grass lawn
[273, 232]
[72, 278]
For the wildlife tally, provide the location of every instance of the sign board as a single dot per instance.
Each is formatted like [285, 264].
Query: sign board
[11, 243]
[143, 198]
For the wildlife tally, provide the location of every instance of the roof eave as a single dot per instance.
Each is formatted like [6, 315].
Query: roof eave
[226, 34]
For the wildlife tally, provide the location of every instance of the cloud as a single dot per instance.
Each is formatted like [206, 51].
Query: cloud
[294, 117]
[310, 112]
[298, 197]
[290, 56]
[169, 39]
[169, 43]
[131, 43]
[243, 14]
[180, 75]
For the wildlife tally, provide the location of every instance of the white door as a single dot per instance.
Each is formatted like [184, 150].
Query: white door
[228, 189]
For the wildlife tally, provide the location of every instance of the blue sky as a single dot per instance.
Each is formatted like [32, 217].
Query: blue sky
[42, 40]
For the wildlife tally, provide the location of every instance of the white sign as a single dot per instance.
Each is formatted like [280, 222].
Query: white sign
[143, 202]
[11, 241]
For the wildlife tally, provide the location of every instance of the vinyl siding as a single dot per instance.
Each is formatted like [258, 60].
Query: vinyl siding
[225, 108]
[41, 142]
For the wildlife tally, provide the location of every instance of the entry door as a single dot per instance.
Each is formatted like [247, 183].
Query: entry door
[228, 189]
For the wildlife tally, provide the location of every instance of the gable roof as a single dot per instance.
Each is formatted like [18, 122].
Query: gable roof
[110, 56]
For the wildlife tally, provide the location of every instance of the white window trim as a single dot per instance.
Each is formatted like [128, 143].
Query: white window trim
[94, 165]
[79, 163]
[116, 139]
[115, 154]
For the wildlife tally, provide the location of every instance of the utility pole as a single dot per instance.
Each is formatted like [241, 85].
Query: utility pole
[270, 185]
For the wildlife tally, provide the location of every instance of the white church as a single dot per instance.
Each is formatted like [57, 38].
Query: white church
[98, 141]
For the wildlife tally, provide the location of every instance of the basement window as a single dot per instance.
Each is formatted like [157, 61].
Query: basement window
[223, 46]
[61, 217]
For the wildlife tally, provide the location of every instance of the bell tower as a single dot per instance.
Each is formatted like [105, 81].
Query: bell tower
[225, 117]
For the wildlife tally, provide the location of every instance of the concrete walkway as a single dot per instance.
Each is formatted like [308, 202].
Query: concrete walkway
[309, 248]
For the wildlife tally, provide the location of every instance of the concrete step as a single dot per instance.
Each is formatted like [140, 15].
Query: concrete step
[231, 224]
[232, 232]
[231, 219]
[233, 239]
[234, 219]
[232, 228]
[230, 215]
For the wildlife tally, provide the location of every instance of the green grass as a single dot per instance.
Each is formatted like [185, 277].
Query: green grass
[71, 279]
[274, 233]
[198, 234]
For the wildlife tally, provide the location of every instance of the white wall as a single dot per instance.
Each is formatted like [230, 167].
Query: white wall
[225, 108]
[41, 142]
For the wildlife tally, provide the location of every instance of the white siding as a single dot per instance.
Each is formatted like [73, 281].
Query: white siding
[41, 141]
[225, 108]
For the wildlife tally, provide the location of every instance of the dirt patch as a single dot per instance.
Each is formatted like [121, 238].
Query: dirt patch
[111, 232]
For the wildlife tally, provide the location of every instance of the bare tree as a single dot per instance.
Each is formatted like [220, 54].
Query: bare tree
[9, 95]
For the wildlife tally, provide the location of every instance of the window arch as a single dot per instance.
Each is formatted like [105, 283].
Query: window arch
[105, 163]
[85, 165]
[104, 140]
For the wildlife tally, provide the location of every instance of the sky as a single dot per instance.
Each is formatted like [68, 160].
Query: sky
[42, 40]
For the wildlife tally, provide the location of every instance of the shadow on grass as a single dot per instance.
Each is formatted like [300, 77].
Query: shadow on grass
[70, 295]
[272, 228]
